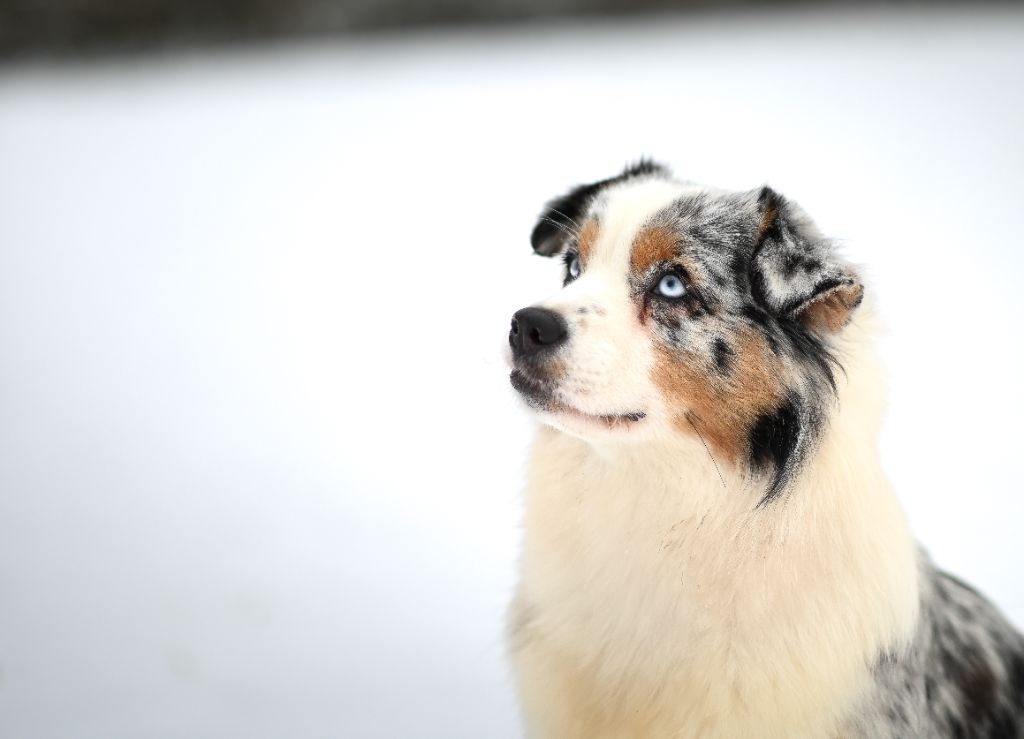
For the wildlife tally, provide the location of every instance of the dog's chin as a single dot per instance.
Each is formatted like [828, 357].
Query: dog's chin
[543, 399]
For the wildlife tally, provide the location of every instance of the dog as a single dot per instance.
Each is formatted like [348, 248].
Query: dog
[711, 547]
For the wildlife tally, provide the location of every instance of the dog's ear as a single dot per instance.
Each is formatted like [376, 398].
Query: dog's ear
[794, 271]
[563, 217]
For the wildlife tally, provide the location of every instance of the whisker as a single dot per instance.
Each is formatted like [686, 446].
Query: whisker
[564, 227]
[567, 217]
[713, 461]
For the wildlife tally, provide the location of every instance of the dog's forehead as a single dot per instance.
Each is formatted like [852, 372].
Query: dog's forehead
[622, 212]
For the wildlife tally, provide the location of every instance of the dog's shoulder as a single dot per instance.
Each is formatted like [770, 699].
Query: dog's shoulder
[963, 675]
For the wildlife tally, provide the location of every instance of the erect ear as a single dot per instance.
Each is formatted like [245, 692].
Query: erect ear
[563, 217]
[795, 272]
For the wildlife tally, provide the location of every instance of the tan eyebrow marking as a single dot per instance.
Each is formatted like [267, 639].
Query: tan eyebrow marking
[586, 239]
[653, 245]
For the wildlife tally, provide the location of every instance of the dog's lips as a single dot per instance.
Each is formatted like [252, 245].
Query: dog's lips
[533, 390]
[541, 398]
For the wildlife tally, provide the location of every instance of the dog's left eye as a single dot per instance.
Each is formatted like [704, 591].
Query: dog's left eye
[572, 267]
[670, 286]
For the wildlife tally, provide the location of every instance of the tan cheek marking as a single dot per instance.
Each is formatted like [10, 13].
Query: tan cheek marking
[587, 239]
[652, 245]
[722, 408]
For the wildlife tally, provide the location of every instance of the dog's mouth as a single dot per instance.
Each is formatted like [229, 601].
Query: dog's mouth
[541, 397]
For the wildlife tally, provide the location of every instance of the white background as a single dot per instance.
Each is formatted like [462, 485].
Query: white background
[259, 463]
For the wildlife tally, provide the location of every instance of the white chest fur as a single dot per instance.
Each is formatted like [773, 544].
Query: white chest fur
[657, 601]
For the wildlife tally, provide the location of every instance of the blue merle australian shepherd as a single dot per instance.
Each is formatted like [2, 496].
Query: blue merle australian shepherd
[711, 546]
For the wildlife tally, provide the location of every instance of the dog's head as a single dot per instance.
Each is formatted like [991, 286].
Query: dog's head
[686, 310]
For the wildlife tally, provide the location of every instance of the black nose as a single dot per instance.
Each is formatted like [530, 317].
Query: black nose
[535, 329]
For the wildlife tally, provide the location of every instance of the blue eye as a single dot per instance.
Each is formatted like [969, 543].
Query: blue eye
[572, 267]
[671, 286]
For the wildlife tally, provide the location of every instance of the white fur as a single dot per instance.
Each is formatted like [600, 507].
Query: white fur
[611, 355]
[655, 600]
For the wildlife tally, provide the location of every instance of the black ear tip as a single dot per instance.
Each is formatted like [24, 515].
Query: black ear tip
[545, 241]
[542, 238]
[767, 198]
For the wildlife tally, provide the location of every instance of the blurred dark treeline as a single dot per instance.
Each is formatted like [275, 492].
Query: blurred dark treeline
[73, 27]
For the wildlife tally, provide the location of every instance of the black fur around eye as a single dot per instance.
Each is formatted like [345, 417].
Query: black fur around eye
[572, 266]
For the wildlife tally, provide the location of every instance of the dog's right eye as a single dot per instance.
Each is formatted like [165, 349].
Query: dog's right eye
[572, 266]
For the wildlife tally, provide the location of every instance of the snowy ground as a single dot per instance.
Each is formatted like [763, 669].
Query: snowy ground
[259, 466]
